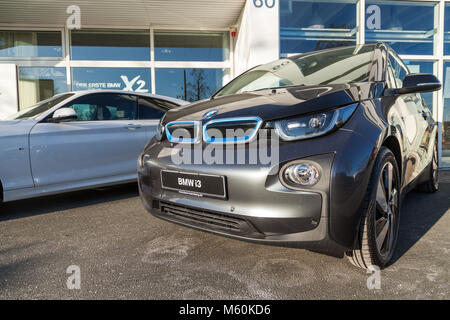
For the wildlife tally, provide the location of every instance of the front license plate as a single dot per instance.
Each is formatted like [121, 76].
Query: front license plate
[194, 184]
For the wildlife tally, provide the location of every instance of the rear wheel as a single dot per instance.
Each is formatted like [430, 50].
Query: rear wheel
[432, 183]
[380, 217]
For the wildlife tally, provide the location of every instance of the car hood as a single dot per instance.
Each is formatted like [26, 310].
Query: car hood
[272, 104]
[15, 127]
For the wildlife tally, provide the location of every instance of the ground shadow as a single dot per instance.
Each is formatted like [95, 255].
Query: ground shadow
[43, 205]
[420, 212]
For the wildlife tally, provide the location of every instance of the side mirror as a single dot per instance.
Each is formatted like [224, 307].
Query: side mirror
[64, 115]
[419, 82]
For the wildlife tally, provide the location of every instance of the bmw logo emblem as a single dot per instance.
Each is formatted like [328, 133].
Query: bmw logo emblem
[210, 114]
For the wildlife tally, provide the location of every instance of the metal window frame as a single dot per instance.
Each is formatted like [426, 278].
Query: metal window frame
[65, 60]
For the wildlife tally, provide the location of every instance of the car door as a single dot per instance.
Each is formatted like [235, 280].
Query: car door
[150, 112]
[415, 128]
[101, 146]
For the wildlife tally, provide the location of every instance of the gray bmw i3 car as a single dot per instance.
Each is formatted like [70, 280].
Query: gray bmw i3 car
[346, 131]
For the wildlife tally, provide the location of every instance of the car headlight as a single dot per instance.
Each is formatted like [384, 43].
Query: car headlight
[160, 129]
[313, 125]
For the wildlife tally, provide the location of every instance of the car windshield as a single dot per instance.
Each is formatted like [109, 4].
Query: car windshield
[36, 110]
[338, 66]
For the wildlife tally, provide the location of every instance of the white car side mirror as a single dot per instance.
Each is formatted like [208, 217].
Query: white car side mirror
[63, 115]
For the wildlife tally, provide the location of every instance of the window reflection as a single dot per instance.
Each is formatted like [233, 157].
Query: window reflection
[408, 27]
[30, 44]
[128, 79]
[191, 46]
[446, 116]
[314, 25]
[110, 45]
[422, 67]
[37, 84]
[188, 84]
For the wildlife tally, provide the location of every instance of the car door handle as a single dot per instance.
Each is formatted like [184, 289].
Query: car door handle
[132, 126]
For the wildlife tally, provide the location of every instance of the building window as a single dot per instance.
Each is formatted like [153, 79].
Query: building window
[422, 67]
[191, 46]
[40, 83]
[407, 26]
[447, 29]
[446, 115]
[131, 45]
[30, 44]
[188, 84]
[314, 25]
[128, 79]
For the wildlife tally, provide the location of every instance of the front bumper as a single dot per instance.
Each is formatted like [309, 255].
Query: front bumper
[258, 207]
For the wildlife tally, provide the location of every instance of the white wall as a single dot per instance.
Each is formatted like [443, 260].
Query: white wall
[257, 39]
[8, 90]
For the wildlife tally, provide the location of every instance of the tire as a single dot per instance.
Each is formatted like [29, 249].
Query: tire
[377, 237]
[431, 185]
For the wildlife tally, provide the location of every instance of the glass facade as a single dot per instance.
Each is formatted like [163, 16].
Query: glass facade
[30, 43]
[188, 84]
[313, 25]
[188, 65]
[129, 79]
[411, 28]
[132, 45]
[446, 115]
[191, 46]
[40, 83]
[408, 27]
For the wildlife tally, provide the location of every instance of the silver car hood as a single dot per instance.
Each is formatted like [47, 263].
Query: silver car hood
[15, 127]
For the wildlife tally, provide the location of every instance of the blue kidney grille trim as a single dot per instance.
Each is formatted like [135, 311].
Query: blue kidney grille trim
[232, 121]
[196, 126]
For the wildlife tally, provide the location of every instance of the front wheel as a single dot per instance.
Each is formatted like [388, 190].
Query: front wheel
[378, 231]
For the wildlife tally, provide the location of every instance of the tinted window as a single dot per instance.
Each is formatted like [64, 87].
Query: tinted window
[191, 46]
[399, 70]
[129, 45]
[188, 84]
[313, 25]
[36, 110]
[30, 44]
[148, 109]
[100, 107]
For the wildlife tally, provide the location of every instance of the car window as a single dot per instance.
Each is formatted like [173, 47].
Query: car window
[101, 107]
[152, 108]
[400, 71]
[39, 108]
[337, 66]
[390, 79]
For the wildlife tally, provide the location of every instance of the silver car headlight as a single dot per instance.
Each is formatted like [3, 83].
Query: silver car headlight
[314, 125]
[160, 129]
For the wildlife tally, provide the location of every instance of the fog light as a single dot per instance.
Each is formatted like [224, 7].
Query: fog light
[305, 174]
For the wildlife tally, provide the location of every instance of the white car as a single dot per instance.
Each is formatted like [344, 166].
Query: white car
[77, 140]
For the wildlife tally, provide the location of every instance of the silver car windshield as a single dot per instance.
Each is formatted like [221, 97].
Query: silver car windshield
[339, 66]
[39, 108]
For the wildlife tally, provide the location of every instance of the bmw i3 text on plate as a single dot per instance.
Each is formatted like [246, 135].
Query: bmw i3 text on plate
[347, 134]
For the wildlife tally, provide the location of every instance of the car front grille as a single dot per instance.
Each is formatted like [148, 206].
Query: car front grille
[220, 131]
[206, 218]
[231, 130]
[183, 131]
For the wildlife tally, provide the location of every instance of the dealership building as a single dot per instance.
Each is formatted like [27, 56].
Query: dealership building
[188, 49]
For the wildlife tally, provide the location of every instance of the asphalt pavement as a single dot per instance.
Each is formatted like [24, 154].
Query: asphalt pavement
[122, 252]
